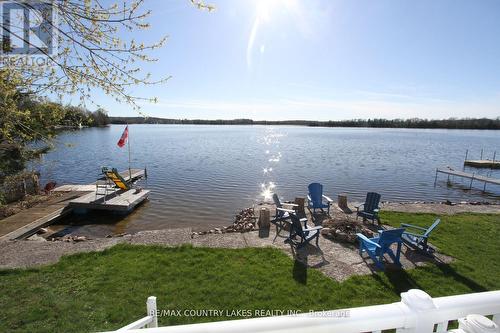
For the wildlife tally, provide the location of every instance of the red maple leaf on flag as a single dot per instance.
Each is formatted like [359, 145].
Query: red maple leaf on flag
[123, 138]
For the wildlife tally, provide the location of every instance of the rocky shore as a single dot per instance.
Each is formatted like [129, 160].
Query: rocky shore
[244, 221]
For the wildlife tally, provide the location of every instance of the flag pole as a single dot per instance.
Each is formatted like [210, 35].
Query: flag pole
[128, 144]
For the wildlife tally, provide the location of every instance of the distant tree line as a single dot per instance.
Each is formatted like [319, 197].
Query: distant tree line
[152, 120]
[451, 123]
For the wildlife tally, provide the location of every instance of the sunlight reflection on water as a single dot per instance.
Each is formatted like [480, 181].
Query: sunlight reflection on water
[271, 138]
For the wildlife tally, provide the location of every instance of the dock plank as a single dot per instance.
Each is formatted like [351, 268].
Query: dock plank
[75, 188]
[135, 174]
[27, 222]
[119, 201]
[494, 164]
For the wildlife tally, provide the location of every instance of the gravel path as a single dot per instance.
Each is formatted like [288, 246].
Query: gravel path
[441, 208]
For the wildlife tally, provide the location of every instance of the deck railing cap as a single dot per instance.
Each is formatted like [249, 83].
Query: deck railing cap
[418, 300]
[475, 323]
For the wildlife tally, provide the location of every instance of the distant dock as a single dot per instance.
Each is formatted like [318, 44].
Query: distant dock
[472, 176]
[492, 163]
[72, 198]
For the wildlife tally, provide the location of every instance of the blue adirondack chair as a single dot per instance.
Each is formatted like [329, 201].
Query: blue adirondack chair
[370, 207]
[376, 247]
[282, 214]
[305, 233]
[315, 198]
[419, 240]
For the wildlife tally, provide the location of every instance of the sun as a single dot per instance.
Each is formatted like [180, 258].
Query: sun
[264, 12]
[266, 8]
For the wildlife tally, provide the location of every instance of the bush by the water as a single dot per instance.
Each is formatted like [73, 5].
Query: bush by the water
[26, 119]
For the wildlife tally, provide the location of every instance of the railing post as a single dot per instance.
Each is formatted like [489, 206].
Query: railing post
[496, 319]
[420, 308]
[442, 327]
[477, 324]
[151, 308]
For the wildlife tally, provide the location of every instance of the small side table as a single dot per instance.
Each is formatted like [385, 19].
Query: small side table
[264, 218]
[342, 200]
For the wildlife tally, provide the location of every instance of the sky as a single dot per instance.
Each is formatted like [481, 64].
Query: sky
[322, 60]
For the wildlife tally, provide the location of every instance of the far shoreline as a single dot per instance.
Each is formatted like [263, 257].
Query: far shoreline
[460, 124]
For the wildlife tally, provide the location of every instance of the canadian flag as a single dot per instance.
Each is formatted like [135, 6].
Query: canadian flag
[123, 138]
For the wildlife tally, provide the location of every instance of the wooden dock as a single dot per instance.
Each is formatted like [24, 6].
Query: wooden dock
[66, 199]
[133, 175]
[120, 201]
[136, 174]
[27, 222]
[116, 200]
[489, 164]
[472, 176]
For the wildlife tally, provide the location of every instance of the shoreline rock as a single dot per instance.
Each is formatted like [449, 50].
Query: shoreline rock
[244, 221]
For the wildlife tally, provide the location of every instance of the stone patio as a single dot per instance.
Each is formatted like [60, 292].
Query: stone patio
[338, 260]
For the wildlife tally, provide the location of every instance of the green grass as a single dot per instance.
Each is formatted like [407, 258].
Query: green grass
[472, 239]
[106, 290]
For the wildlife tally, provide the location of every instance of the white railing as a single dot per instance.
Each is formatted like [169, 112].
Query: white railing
[151, 320]
[417, 312]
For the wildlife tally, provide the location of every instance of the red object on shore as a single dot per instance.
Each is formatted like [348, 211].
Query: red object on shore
[49, 187]
[123, 138]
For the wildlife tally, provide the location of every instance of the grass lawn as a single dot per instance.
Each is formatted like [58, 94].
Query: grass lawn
[107, 290]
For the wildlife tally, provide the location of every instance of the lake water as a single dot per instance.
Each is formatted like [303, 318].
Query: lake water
[200, 176]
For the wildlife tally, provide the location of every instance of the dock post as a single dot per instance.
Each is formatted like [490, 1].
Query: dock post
[465, 160]
[481, 154]
[492, 164]
[484, 188]
[471, 180]
[436, 178]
